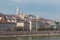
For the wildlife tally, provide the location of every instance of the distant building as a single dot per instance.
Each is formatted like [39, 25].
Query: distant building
[7, 22]
[7, 26]
[23, 25]
[57, 24]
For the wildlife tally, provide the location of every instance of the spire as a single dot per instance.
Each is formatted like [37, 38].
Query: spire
[17, 12]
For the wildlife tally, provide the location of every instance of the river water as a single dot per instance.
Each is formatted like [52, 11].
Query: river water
[32, 38]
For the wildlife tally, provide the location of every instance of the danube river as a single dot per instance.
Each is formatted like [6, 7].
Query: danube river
[32, 38]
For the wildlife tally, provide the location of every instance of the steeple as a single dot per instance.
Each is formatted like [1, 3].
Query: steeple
[17, 12]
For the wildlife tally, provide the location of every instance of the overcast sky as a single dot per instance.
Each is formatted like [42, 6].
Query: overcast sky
[45, 8]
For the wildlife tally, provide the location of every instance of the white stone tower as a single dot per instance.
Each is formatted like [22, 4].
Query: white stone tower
[17, 12]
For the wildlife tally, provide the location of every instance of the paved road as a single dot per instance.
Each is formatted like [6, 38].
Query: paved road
[27, 32]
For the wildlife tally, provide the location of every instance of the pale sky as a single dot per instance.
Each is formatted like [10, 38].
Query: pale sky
[49, 9]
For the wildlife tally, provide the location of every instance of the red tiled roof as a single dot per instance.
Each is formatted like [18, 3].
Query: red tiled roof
[4, 21]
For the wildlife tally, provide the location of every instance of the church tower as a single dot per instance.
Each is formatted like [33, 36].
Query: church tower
[17, 12]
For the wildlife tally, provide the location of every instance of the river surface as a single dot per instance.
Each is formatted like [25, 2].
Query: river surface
[32, 38]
